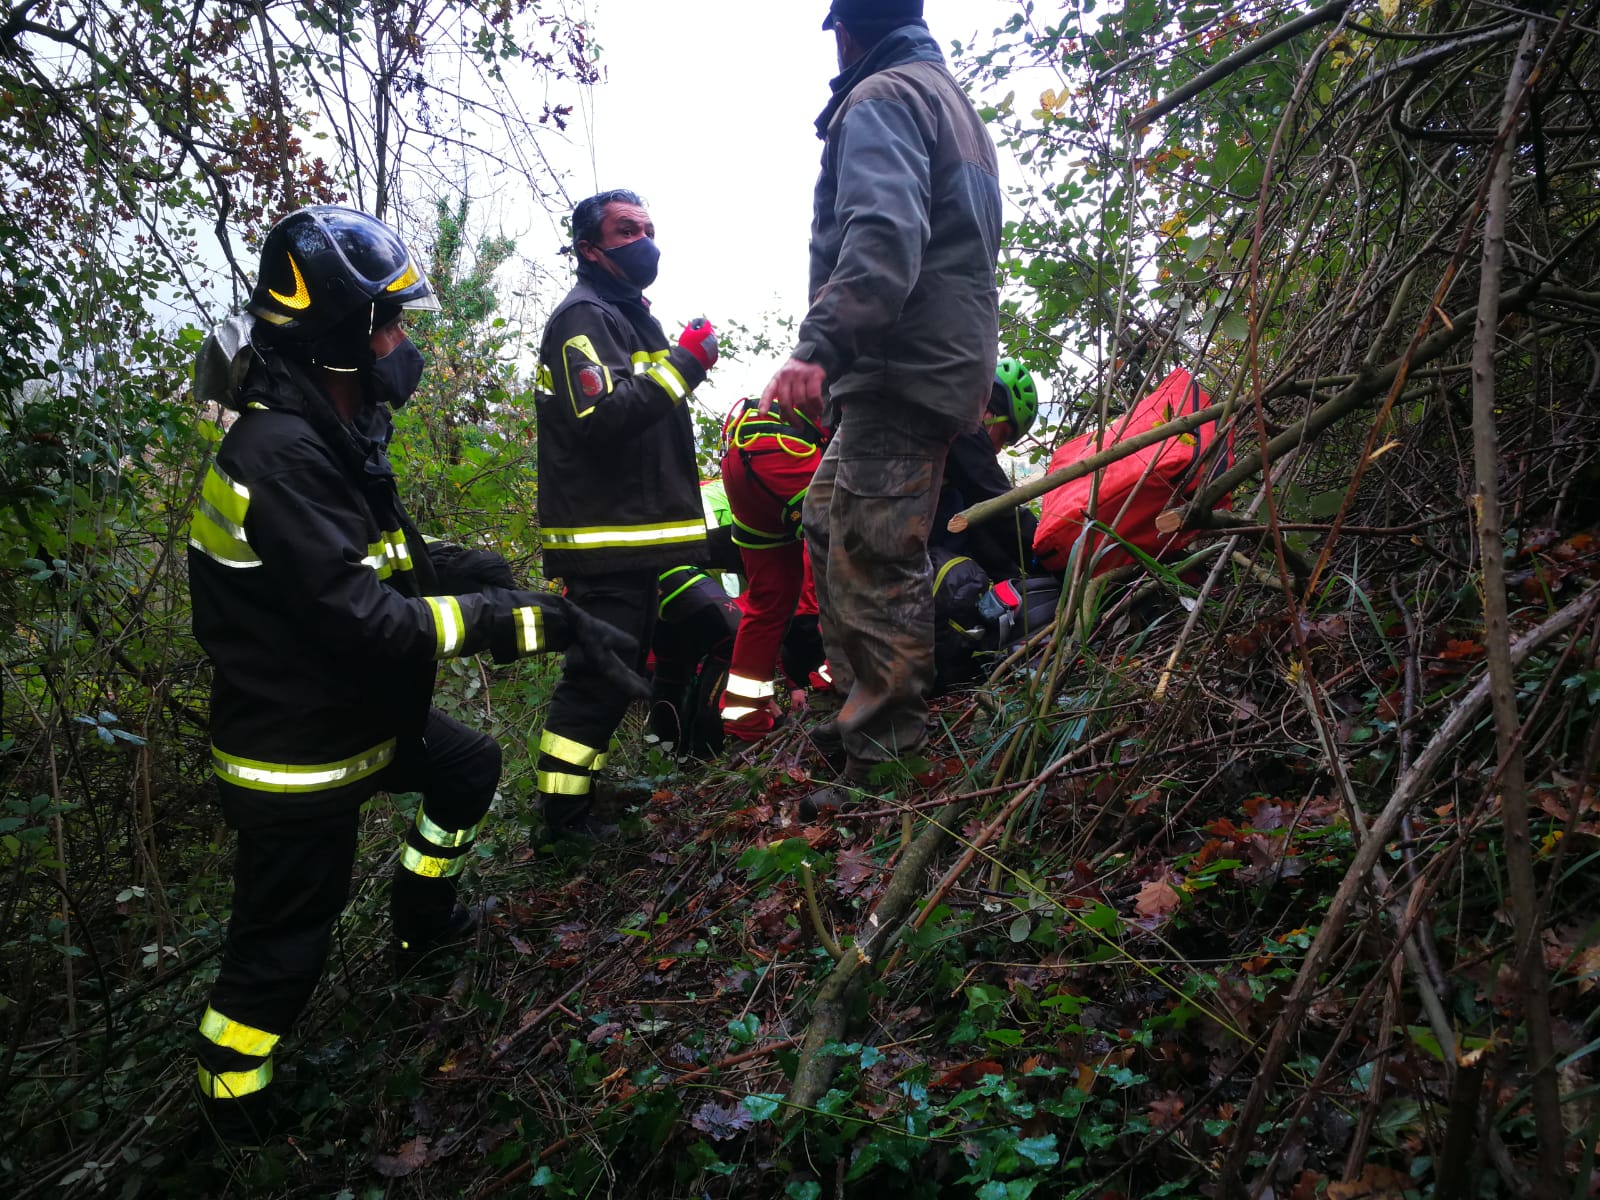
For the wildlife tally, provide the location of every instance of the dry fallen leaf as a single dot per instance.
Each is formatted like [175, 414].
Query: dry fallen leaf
[967, 1074]
[1158, 898]
[412, 1156]
[1376, 1183]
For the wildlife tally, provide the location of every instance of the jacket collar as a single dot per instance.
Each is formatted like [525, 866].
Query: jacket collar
[279, 383]
[608, 287]
[910, 43]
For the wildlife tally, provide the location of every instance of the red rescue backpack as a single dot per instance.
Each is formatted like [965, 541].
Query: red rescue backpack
[1179, 463]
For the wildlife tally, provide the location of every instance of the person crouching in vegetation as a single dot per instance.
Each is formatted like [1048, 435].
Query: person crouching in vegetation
[323, 613]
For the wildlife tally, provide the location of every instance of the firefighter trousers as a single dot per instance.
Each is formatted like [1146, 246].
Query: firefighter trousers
[867, 519]
[585, 709]
[291, 882]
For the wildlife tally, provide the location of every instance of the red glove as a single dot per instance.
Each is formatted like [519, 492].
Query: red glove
[700, 340]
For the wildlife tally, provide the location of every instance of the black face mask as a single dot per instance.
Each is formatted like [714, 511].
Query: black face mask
[396, 375]
[638, 261]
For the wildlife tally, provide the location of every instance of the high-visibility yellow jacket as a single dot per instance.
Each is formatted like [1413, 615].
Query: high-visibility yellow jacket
[320, 606]
[618, 484]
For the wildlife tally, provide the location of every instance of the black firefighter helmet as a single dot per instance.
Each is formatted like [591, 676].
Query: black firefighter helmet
[331, 275]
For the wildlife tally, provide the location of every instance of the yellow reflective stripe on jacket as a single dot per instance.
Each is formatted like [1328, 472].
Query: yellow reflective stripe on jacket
[389, 554]
[226, 495]
[438, 835]
[615, 537]
[296, 777]
[938, 580]
[217, 528]
[643, 360]
[231, 1085]
[430, 866]
[236, 1035]
[567, 750]
[449, 628]
[670, 379]
[585, 347]
[530, 629]
[559, 783]
[695, 576]
[600, 760]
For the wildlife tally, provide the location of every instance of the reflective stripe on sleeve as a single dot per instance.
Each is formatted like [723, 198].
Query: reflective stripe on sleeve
[389, 554]
[438, 835]
[231, 1085]
[430, 866]
[558, 783]
[530, 629]
[671, 380]
[600, 761]
[296, 777]
[614, 537]
[449, 630]
[567, 750]
[236, 1035]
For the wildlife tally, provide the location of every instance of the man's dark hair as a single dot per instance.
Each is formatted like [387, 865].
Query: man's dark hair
[588, 214]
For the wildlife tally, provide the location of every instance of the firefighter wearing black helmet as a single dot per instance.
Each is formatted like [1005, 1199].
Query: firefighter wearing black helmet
[324, 613]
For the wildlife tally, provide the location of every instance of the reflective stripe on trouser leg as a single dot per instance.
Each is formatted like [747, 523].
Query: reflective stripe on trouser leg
[743, 696]
[235, 1059]
[442, 853]
[566, 765]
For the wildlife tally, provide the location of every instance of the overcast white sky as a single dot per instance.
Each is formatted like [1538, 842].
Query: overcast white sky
[707, 111]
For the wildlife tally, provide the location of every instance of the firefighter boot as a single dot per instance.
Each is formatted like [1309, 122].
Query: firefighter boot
[246, 1123]
[423, 958]
[430, 928]
[855, 783]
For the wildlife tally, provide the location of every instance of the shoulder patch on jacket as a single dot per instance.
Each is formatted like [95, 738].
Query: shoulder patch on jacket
[587, 377]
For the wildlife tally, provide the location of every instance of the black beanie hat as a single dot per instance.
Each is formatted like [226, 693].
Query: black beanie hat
[872, 11]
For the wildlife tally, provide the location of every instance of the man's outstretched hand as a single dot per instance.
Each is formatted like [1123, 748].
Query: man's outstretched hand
[796, 386]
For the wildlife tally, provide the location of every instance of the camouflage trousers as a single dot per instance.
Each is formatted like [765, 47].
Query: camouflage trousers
[867, 519]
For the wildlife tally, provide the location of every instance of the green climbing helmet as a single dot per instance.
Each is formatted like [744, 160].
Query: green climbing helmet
[1014, 397]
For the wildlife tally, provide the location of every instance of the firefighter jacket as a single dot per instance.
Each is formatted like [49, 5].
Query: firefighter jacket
[319, 604]
[619, 489]
[905, 236]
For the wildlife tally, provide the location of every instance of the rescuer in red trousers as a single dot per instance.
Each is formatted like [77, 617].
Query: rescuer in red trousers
[767, 465]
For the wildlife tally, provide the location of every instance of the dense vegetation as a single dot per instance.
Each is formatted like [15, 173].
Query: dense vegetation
[1269, 870]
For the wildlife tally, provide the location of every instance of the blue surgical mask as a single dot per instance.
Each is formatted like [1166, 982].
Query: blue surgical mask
[638, 261]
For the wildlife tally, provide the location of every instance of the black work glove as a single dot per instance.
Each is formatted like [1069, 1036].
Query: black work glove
[463, 571]
[591, 644]
[602, 648]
